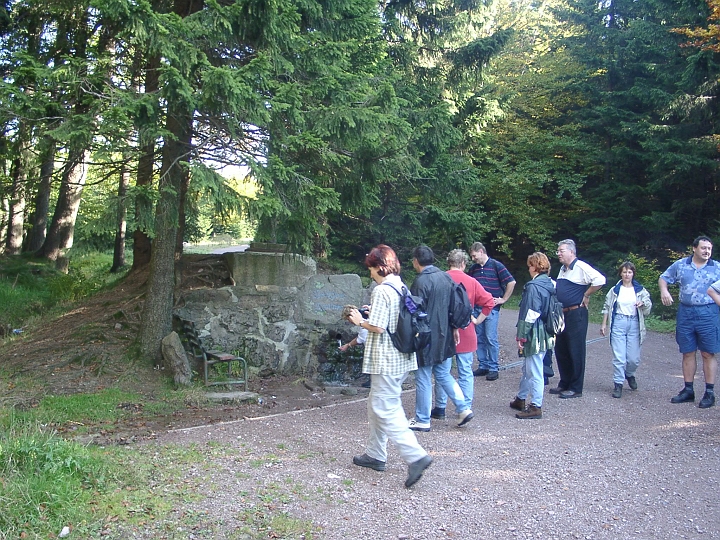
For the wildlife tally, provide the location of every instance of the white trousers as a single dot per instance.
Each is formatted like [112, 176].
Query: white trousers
[388, 421]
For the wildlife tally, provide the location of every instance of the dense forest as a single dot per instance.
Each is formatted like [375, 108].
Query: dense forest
[346, 123]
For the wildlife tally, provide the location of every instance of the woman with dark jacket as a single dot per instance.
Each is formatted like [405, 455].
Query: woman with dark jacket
[627, 304]
[532, 337]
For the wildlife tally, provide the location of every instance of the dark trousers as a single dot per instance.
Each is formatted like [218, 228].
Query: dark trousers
[570, 349]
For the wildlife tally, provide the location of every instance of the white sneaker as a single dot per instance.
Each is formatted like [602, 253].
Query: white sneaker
[418, 426]
[464, 417]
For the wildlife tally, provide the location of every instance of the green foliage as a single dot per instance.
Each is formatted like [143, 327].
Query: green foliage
[647, 273]
[659, 168]
[510, 122]
[213, 206]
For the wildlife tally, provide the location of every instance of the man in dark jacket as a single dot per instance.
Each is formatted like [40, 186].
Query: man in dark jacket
[435, 287]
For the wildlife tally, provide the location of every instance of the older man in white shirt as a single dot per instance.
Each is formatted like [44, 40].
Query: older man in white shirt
[576, 281]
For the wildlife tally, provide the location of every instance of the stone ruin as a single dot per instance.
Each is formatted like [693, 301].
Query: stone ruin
[279, 314]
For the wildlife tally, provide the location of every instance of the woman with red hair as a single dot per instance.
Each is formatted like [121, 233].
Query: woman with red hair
[387, 368]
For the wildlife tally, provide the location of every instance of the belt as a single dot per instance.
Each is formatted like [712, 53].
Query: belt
[566, 309]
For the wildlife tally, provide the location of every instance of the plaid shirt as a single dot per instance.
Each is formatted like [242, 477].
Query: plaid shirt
[381, 357]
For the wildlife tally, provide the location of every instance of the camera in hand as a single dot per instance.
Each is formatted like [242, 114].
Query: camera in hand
[365, 312]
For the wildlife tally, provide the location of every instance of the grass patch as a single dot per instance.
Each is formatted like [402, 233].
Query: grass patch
[99, 407]
[658, 324]
[47, 483]
[89, 410]
[31, 287]
[259, 524]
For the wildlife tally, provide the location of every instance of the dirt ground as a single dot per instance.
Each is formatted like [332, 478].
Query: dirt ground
[592, 468]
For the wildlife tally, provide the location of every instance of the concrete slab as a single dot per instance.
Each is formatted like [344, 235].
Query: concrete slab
[233, 397]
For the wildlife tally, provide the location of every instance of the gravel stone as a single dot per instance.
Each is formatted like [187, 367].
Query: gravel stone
[596, 467]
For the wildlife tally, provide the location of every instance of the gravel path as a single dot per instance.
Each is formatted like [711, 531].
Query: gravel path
[594, 467]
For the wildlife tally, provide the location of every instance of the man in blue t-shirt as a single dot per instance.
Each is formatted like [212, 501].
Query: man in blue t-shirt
[496, 280]
[698, 317]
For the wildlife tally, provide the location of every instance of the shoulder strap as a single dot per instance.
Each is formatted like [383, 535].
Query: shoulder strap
[393, 288]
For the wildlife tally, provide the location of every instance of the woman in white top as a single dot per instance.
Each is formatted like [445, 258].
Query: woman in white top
[627, 303]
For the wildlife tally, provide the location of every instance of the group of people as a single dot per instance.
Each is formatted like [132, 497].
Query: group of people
[489, 285]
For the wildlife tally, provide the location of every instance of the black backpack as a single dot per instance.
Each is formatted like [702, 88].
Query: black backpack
[460, 311]
[413, 328]
[554, 318]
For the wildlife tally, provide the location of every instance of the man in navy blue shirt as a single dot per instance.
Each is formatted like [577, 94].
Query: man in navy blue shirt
[496, 280]
[575, 283]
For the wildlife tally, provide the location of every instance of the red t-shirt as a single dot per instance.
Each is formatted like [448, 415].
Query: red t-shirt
[478, 297]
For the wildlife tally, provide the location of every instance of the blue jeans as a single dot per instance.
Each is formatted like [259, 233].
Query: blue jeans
[532, 382]
[625, 343]
[465, 381]
[488, 346]
[388, 422]
[423, 389]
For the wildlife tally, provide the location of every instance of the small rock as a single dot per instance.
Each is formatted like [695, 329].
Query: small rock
[310, 385]
[65, 532]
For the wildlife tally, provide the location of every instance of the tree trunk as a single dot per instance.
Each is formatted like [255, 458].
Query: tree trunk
[62, 228]
[157, 311]
[19, 176]
[42, 199]
[3, 223]
[143, 204]
[119, 250]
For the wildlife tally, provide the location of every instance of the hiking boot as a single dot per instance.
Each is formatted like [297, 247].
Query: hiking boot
[617, 393]
[464, 417]
[686, 395]
[364, 460]
[416, 470]
[492, 376]
[418, 426]
[517, 404]
[531, 412]
[437, 413]
[480, 372]
[707, 401]
[632, 383]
